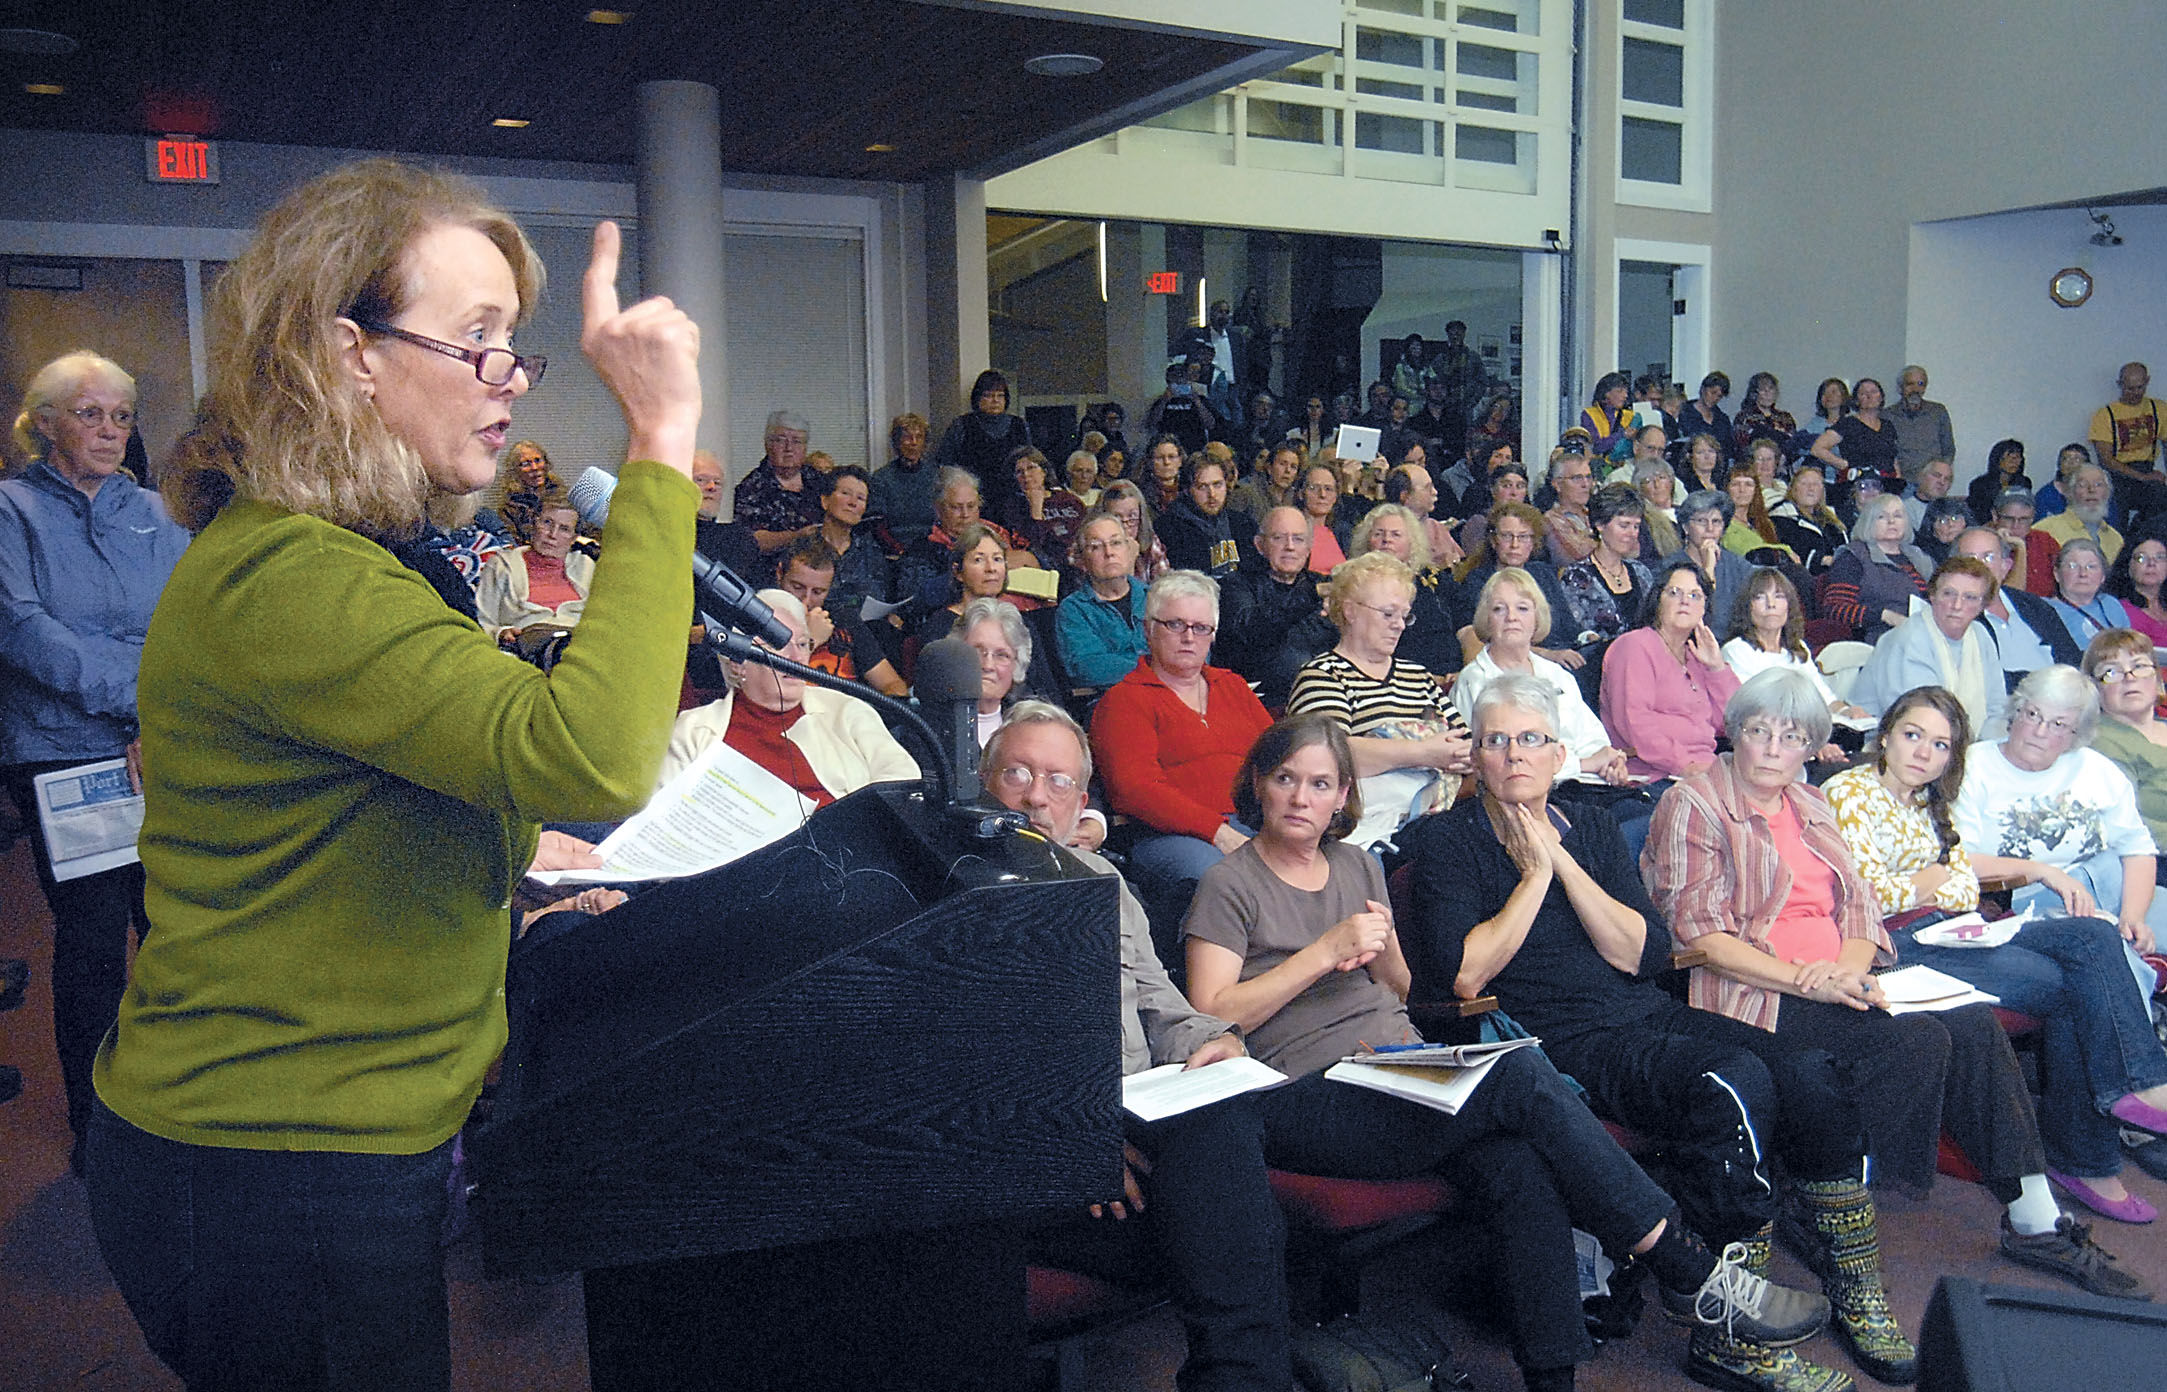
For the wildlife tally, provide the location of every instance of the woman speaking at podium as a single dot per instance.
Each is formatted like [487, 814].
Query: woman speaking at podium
[344, 778]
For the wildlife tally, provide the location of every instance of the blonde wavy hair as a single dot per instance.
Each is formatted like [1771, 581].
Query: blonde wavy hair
[55, 382]
[1349, 578]
[283, 422]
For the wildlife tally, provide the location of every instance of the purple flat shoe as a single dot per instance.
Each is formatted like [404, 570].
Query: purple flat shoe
[2126, 1210]
[2139, 1114]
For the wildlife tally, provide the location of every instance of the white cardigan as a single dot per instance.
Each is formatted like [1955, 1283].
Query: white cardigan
[1580, 728]
[500, 595]
[842, 739]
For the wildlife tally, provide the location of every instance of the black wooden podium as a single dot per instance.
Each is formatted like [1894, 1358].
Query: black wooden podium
[789, 1116]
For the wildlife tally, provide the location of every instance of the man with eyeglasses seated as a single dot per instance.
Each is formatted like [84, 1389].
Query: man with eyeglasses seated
[2027, 635]
[1270, 620]
[1548, 913]
[822, 743]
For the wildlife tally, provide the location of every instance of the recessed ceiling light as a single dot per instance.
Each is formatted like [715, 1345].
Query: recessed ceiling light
[44, 43]
[44, 89]
[509, 123]
[609, 16]
[1063, 65]
[880, 149]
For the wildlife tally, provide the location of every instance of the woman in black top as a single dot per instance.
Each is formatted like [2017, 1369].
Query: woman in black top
[2004, 470]
[1862, 441]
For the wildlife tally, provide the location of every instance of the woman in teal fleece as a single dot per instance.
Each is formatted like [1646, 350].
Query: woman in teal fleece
[345, 778]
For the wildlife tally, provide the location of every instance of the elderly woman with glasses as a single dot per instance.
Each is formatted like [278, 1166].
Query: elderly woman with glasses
[544, 582]
[2103, 1064]
[2045, 808]
[1874, 579]
[2126, 666]
[824, 744]
[1410, 745]
[1429, 640]
[1703, 518]
[1665, 682]
[1167, 738]
[2079, 600]
[84, 555]
[1747, 862]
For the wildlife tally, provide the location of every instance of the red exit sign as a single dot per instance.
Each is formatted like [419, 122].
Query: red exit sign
[180, 159]
[1163, 283]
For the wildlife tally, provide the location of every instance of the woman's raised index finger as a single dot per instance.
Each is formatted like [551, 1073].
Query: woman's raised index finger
[598, 292]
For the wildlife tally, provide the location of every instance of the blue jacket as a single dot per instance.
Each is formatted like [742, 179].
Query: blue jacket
[1100, 642]
[79, 577]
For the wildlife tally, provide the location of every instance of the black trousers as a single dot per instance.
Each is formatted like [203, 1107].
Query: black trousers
[1717, 1097]
[1914, 1074]
[91, 918]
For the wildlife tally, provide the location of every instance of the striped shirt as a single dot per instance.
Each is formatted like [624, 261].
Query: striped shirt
[1329, 684]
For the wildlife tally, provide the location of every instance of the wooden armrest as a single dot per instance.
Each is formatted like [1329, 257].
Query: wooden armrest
[1686, 957]
[1431, 1015]
[2001, 884]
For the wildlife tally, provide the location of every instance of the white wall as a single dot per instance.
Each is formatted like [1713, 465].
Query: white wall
[1426, 286]
[1841, 124]
[2006, 360]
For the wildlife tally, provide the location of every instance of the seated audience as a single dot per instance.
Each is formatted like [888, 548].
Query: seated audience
[1608, 589]
[2138, 579]
[980, 441]
[1703, 518]
[1609, 416]
[1750, 528]
[1772, 633]
[1657, 486]
[1410, 745]
[1570, 532]
[1544, 908]
[2068, 459]
[1328, 536]
[904, 489]
[1271, 619]
[1942, 647]
[1161, 480]
[2044, 808]
[1806, 523]
[1167, 738]
[2080, 574]
[978, 569]
[1125, 500]
[1082, 473]
[2014, 512]
[1290, 939]
[822, 743]
[1665, 682]
[1747, 863]
[1200, 530]
[1514, 537]
[926, 574]
[1874, 579]
[1929, 484]
[1945, 520]
[1766, 457]
[1213, 1221]
[1761, 419]
[2090, 503]
[2126, 666]
[1430, 639]
[1039, 517]
[1415, 487]
[861, 571]
[1511, 617]
[2027, 633]
[1099, 627]
[1701, 469]
[522, 480]
[778, 499]
[1273, 486]
[843, 643]
[544, 582]
[2102, 1061]
[1506, 483]
[2004, 471]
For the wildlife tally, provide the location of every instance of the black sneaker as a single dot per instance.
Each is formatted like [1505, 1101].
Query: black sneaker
[2070, 1253]
[1748, 1308]
[2147, 1150]
[14, 976]
[11, 1082]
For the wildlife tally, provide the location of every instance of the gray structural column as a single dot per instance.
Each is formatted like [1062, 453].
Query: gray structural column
[958, 343]
[680, 199]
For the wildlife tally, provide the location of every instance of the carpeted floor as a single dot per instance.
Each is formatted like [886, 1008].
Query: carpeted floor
[62, 1325]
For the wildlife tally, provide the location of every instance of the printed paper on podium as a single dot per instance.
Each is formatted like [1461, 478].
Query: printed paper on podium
[722, 806]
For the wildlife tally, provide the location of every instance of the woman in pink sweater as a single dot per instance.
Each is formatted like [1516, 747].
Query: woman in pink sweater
[1665, 682]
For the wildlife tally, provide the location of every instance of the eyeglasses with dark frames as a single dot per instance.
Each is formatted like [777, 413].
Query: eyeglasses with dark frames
[493, 367]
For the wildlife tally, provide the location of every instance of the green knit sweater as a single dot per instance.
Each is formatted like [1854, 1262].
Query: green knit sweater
[344, 780]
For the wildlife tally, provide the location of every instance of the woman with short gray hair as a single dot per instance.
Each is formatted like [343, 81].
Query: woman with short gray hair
[2043, 807]
[1702, 519]
[776, 500]
[1875, 577]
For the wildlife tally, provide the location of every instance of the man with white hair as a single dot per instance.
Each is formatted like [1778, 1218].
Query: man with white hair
[2091, 502]
[776, 499]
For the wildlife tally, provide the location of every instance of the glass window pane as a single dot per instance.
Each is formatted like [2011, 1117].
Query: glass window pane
[1481, 60]
[1488, 102]
[1405, 7]
[1271, 120]
[1652, 151]
[1300, 77]
[1485, 145]
[1213, 115]
[1668, 13]
[1399, 135]
[1522, 17]
[1654, 72]
[1386, 46]
[1377, 87]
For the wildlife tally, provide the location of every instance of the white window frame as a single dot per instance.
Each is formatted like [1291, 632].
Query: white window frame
[1696, 162]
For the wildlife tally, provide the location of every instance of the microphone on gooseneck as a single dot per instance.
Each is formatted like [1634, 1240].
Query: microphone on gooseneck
[742, 609]
[590, 495]
[946, 685]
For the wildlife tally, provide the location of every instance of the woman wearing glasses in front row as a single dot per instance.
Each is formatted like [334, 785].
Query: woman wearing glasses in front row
[2103, 1064]
[84, 553]
[1167, 739]
[1410, 745]
[1747, 863]
[2126, 666]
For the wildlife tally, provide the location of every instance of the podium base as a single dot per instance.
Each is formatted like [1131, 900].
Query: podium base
[940, 1310]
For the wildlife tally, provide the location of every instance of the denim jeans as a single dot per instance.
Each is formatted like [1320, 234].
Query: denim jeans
[2102, 874]
[2073, 974]
[307, 1271]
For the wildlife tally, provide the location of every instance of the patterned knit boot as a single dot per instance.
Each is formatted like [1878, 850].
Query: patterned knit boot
[1843, 1246]
[1716, 1360]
